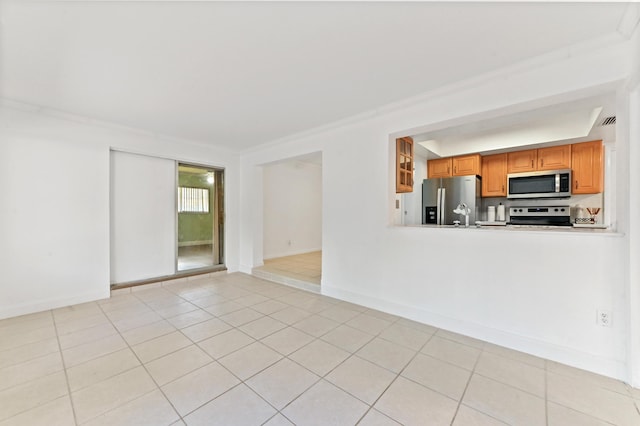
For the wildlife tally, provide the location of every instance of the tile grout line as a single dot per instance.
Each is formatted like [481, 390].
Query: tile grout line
[142, 364]
[64, 368]
[577, 410]
[399, 374]
[323, 377]
[243, 382]
[42, 376]
[546, 393]
[473, 371]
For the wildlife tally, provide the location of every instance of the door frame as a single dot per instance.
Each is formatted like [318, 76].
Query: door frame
[218, 234]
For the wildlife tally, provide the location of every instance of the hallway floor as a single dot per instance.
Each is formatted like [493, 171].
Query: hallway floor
[305, 267]
[233, 349]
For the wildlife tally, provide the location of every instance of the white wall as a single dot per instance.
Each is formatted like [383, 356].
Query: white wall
[143, 218]
[292, 208]
[533, 291]
[633, 194]
[633, 295]
[54, 215]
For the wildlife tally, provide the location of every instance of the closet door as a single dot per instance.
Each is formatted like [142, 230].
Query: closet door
[143, 224]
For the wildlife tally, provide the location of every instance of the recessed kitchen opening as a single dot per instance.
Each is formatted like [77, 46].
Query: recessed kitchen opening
[551, 167]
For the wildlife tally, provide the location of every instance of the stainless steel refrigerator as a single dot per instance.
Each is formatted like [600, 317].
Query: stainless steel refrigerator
[440, 196]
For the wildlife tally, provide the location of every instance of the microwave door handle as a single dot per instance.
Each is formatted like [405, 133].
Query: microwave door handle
[557, 182]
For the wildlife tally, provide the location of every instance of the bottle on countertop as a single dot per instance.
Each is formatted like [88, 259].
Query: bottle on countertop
[501, 216]
[491, 214]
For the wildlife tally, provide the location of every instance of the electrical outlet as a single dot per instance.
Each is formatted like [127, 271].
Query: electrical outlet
[604, 318]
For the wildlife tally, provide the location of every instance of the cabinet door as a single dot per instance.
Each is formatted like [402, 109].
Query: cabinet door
[494, 175]
[440, 167]
[554, 157]
[465, 165]
[587, 168]
[522, 161]
[404, 165]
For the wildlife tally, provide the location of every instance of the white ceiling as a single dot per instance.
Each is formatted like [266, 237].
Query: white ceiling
[245, 73]
[562, 123]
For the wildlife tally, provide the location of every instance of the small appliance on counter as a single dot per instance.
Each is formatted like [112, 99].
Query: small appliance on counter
[540, 215]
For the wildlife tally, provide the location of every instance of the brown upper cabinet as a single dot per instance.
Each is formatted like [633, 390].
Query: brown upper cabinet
[440, 167]
[494, 175]
[522, 161]
[462, 165]
[550, 158]
[404, 165]
[554, 157]
[465, 165]
[587, 168]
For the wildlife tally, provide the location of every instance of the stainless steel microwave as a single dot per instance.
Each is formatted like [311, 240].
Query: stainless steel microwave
[542, 184]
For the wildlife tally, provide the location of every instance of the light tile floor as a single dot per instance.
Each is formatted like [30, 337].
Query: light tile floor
[237, 350]
[305, 267]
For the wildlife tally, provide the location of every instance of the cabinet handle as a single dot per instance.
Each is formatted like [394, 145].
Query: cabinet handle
[576, 184]
[502, 188]
[455, 170]
[532, 164]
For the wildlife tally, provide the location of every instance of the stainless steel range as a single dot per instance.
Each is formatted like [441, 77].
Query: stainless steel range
[540, 215]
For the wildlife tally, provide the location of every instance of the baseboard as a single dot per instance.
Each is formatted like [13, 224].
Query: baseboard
[291, 253]
[605, 366]
[246, 269]
[53, 303]
[195, 243]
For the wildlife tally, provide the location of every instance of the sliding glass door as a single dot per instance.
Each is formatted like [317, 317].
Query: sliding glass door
[200, 213]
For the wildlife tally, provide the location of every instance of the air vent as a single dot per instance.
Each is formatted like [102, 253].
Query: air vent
[608, 121]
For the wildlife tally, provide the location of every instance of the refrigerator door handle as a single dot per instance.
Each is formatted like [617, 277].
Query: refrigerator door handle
[443, 203]
[439, 206]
